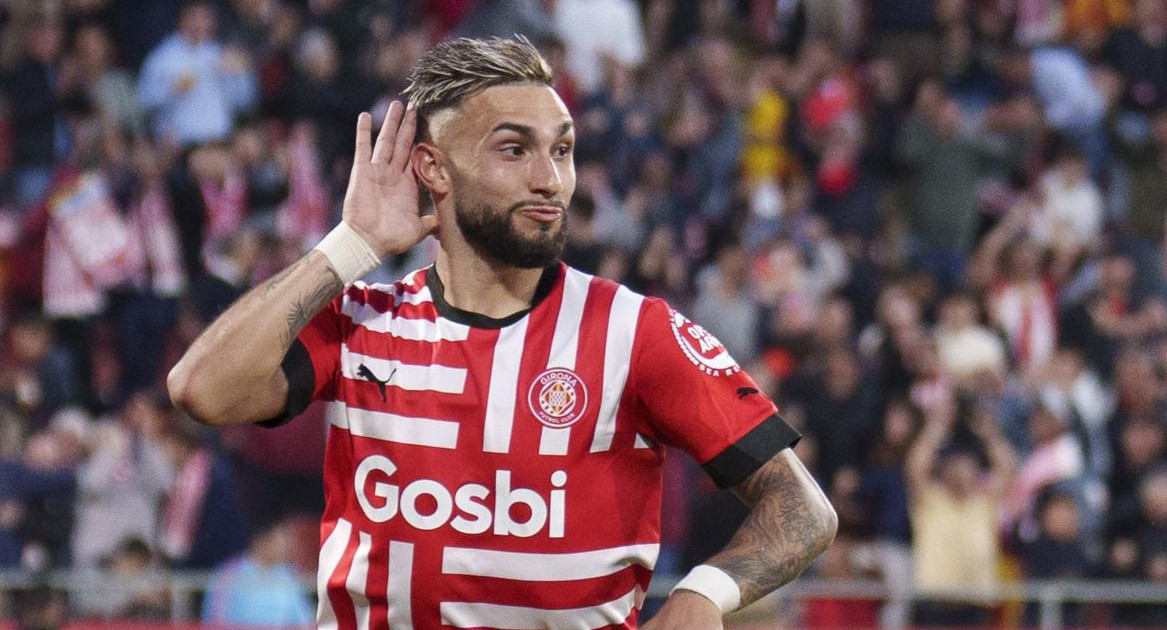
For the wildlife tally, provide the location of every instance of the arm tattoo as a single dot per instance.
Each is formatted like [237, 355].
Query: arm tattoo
[789, 524]
[307, 306]
[279, 278]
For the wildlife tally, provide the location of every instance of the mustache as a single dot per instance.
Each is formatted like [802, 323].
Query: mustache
[548, 203]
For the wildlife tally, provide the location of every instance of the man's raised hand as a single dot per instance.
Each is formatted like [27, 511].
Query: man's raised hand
[381, 202]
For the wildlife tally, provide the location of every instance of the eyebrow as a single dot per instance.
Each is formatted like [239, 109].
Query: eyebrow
[528, 131]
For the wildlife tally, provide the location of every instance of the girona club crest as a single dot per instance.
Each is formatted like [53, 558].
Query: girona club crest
[558, 398]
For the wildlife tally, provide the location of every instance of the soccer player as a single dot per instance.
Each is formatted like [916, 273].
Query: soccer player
[497, 421]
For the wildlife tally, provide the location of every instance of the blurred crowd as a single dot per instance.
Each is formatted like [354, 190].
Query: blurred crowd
[933, 230]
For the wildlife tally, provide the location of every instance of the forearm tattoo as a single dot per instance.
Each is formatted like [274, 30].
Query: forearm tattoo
[787, 527]
[307, 305]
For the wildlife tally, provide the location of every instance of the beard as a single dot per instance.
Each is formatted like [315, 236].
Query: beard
[493, 235]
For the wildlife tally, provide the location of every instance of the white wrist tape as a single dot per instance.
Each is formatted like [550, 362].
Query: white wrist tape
[712, 584]
[348, 254]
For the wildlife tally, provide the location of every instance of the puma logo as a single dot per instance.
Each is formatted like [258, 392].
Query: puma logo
[742, 392]
[364, 372]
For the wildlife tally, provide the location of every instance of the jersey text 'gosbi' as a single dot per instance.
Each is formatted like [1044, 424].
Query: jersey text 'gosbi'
[467, 504]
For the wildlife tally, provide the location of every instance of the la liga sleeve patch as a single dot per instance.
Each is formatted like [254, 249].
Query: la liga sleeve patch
[703, 350]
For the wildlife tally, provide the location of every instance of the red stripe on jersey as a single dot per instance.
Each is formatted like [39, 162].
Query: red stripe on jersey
[589, 362]
[378, 586]
[338, 594]
[526, 431]
[383, 296]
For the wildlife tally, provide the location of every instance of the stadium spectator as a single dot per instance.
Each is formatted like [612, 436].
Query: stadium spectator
[723, 300]
[942, 167]
[954, 515]
[39, 375]
[1052, 547]
[37, 92]
[193, 87]
[1136, 52]
[1146, 212]
[40, 608]
[1069, 215]
[615, 35]
[123, 481]
[1139, 547]
[1056, 460]
[126, 587]
[110, 89]
[1073, 103]
[259, 589]
[884, 490]
[202, 522]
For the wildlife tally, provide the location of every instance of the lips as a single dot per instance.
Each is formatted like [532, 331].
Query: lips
[542, 214]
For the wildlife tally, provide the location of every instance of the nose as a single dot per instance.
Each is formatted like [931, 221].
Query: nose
[544, 179]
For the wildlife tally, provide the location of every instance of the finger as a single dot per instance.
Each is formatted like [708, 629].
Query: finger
[388, 128]
[364, 125]
[405, 135]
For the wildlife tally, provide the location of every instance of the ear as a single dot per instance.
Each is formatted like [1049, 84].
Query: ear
[428, 163]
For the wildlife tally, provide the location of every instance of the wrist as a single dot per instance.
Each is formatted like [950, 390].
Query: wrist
[349, 255]
[714, 585]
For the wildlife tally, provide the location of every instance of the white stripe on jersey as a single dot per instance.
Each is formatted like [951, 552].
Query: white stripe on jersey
[554, 441]
[358, 580]
[622, 320]
[565, 341]
[642, 442]
[418, 378]
[564, 347]
[421, 296]
[475, 615]
[504, 383]
[546, 567]
[419, 329]
[391, 427]
[400, 585]
[331, 553]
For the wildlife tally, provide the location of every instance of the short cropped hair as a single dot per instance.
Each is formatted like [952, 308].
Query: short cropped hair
[460, 68]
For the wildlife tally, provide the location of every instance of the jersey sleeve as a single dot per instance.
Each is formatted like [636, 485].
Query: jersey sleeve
[312, 364]
[694, 396]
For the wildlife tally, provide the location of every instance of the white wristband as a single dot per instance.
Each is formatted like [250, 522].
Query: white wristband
[712, 584]
[348, 254]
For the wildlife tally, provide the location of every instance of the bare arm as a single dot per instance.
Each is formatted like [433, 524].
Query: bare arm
[790, 523]
[1002, 459]
[922, 455]
[231, 374]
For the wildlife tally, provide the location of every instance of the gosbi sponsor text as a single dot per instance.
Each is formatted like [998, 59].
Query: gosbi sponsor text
[471, 508]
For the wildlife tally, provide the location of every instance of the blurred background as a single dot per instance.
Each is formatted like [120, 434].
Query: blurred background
[933, 231]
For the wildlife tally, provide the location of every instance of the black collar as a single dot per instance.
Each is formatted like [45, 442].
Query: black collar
[478, 320]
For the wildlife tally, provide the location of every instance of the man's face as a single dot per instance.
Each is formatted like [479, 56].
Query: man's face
[197, 24]
[509, 156]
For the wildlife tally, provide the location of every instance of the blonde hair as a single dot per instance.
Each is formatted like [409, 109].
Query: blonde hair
[460, 68]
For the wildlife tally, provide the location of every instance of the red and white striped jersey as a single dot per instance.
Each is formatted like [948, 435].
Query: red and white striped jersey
[506, 473]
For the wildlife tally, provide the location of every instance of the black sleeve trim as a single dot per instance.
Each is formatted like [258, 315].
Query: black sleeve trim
[755, 448]
[297, 367]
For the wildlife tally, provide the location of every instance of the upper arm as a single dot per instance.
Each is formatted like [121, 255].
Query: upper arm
[694, 396]
[310, 368]
[783, 475]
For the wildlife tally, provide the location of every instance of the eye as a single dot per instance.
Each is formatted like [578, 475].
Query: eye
[563, 150]
[512, 150]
